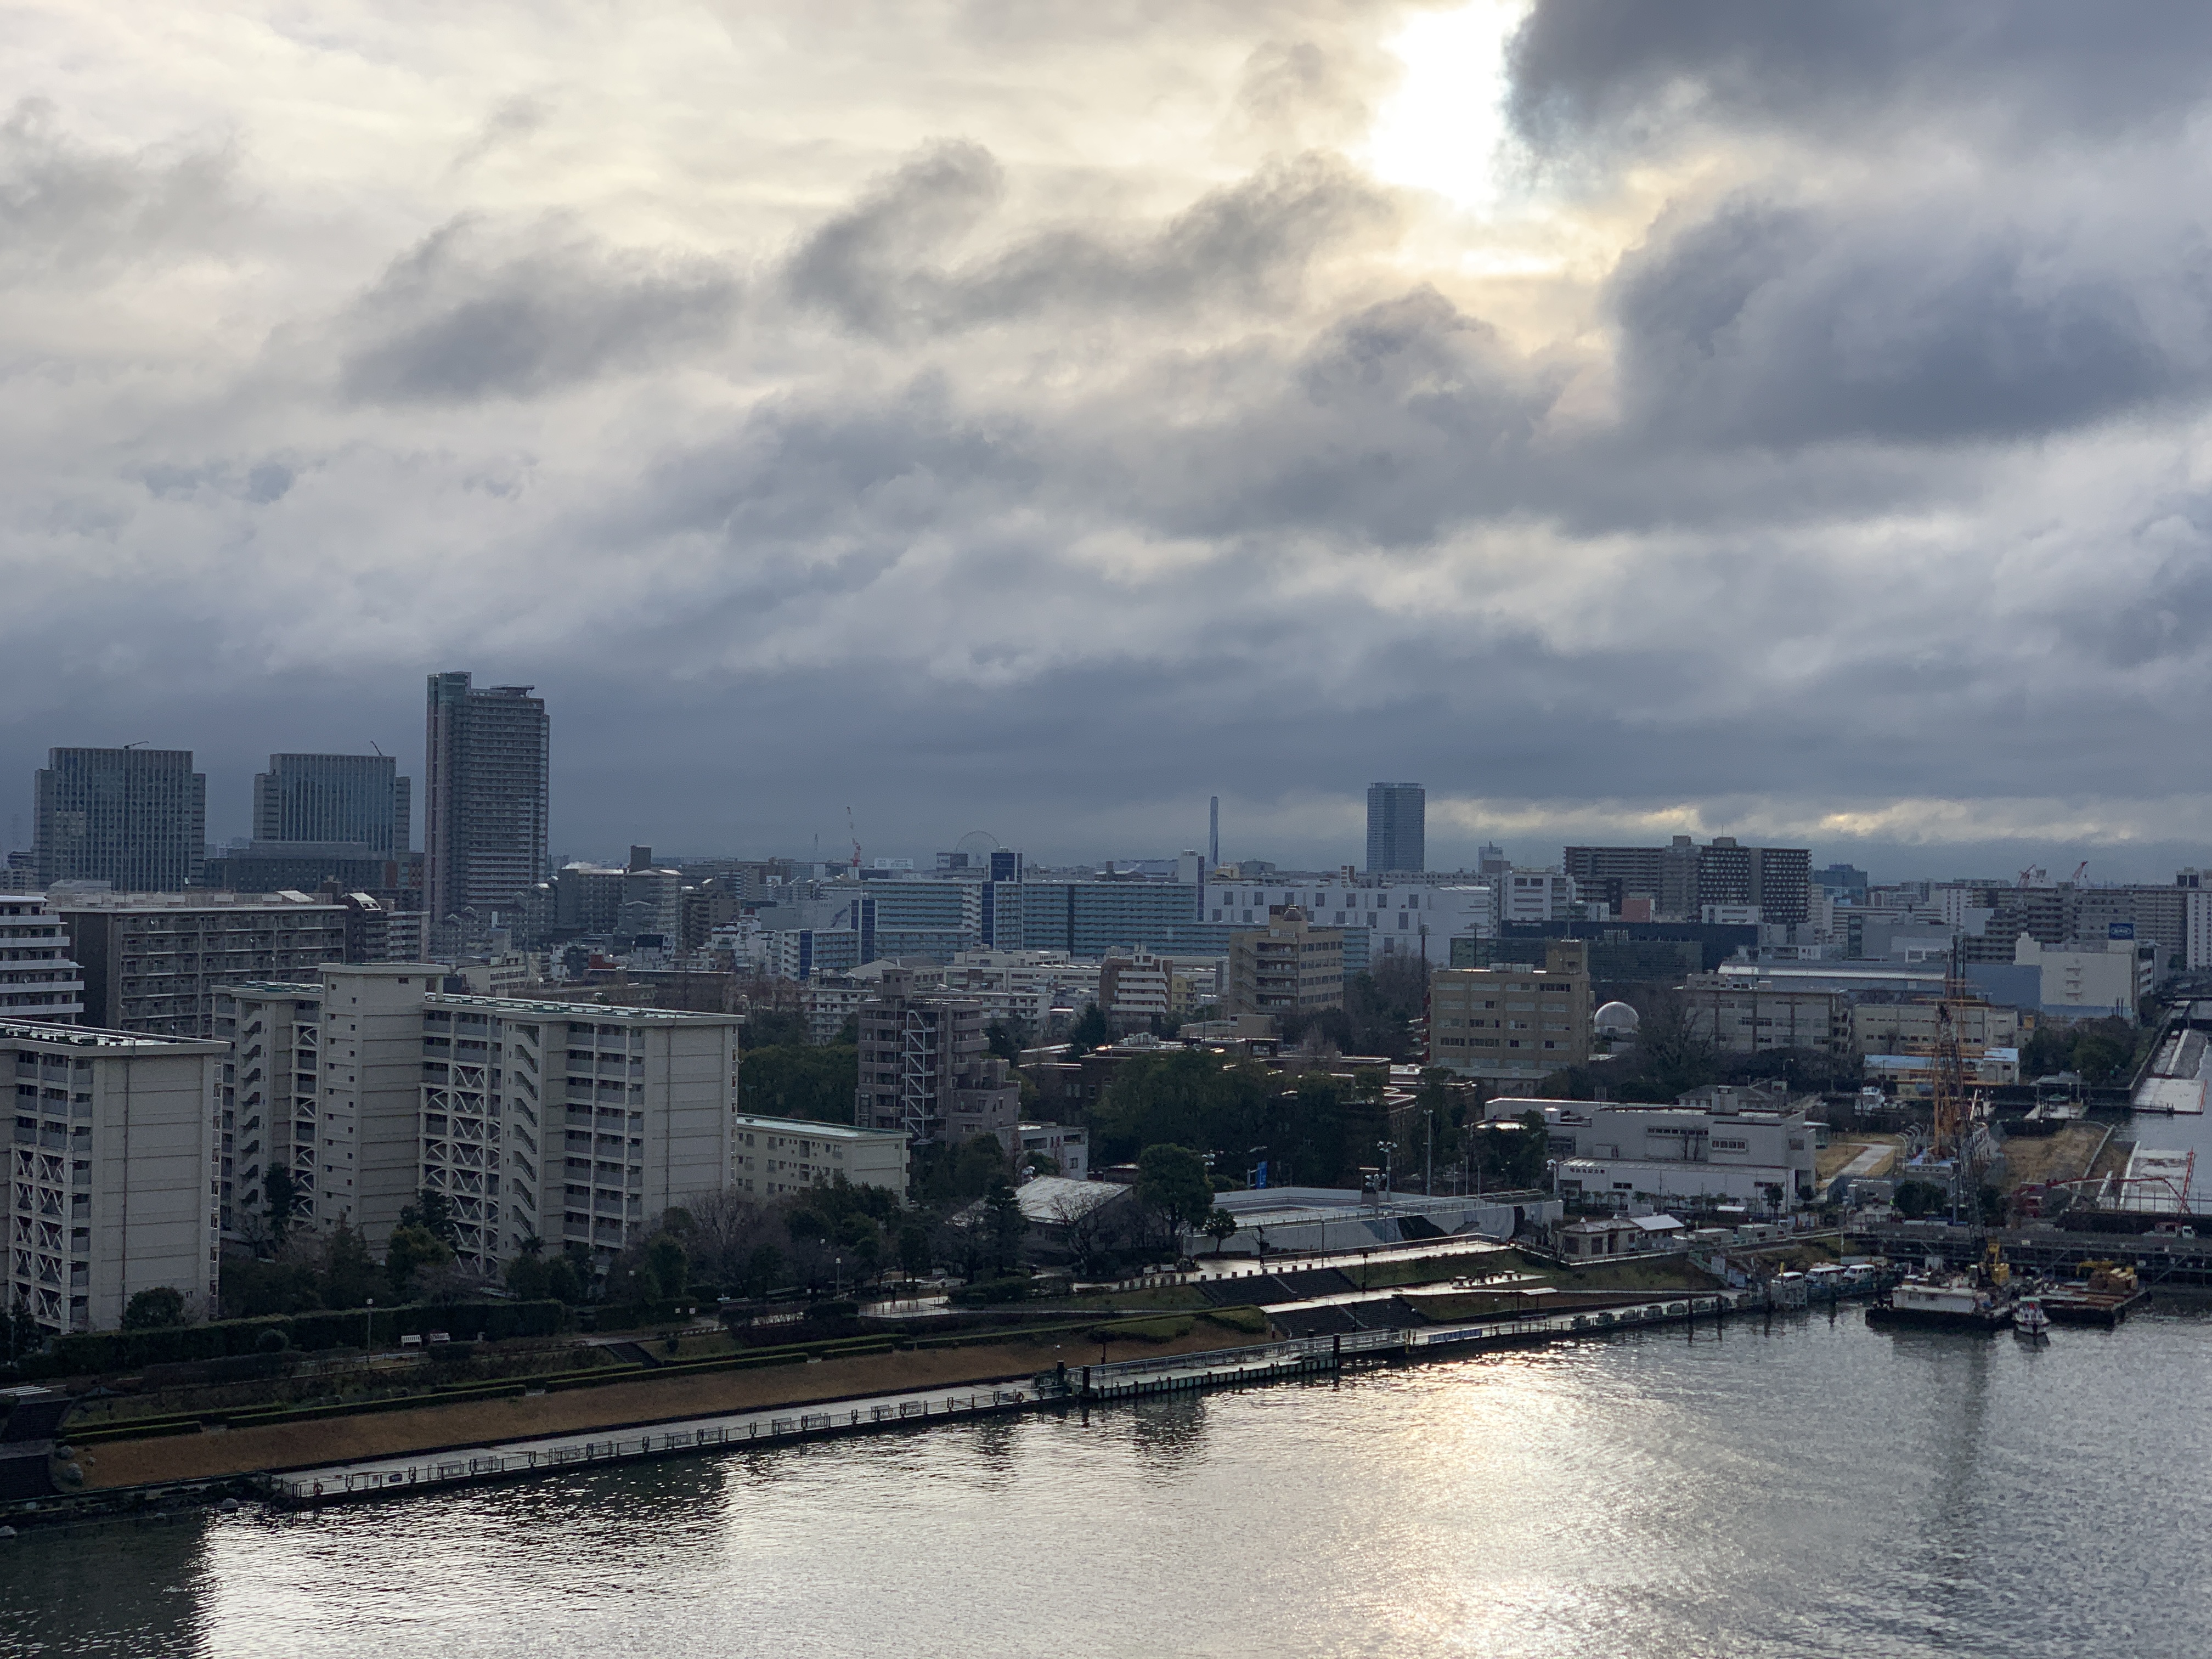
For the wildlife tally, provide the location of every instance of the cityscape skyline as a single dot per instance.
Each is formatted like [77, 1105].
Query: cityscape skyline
[1306, 829]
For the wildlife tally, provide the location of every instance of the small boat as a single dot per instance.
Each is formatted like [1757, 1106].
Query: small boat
[2028, 1320]
[1931, 1304]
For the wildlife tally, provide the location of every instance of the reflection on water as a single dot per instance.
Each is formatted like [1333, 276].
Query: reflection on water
[1809, 1489]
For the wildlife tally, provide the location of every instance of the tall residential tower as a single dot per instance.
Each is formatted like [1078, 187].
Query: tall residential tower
[485, 758]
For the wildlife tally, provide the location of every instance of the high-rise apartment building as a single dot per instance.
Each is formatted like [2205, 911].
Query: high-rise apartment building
[40, 979]
[548, 1121]
[152, 961]
[113, 1172]
[925, 1066]
[357, 799]
[135, 819]
[1397, 831]
[485, 760]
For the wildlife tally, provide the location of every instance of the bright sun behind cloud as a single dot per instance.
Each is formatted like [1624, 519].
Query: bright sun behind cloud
[1441, 131]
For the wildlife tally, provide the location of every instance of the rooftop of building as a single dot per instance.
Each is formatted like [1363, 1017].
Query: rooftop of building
[270, 987]
[198, 898]
[607, 1013]
[93, 1036]
[805, 1125]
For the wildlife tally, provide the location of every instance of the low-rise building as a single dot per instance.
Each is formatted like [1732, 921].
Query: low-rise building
[1747, 1018]
[1911, 1027]
[1288, 967]
[1136, 987]
[115, 1169]
[1066, 1146]
[1514, 1023]
[771, 1156]
[1631, 1155]
[40, 978]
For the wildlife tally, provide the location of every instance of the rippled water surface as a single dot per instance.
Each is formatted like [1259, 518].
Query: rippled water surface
[1811, 1489]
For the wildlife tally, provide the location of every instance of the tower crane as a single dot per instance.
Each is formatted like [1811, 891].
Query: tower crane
[855, 831]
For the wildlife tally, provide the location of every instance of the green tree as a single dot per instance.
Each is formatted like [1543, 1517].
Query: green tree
[525, 1277]
[412, 1249]
[914, 1250]
[1220, 1227]
[20, 1334]
[279, 1195]
[666, 1268]
[1172, 1181]
[1089, 1030]
[151, 1309]
[349, 1273]
[774, 1028]
[433, 1211]
[1008, 1036]
[794, 1080]
[562, 1282]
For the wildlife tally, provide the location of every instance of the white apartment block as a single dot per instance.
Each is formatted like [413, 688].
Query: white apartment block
[772, 1156]
[114, 1171]
[549, 1120]
[1377, 920]
[39, 977]
[1065, 1145]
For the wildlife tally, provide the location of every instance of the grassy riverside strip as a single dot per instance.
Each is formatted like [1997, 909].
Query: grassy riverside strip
[1249, 1321]
[647, 1398]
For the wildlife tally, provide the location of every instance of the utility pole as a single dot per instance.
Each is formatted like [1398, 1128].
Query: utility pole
[1429, 1174]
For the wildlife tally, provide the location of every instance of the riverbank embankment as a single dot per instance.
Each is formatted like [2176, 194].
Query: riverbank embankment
[202, 1456]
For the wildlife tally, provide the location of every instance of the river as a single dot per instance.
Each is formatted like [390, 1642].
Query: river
[1805, 1488]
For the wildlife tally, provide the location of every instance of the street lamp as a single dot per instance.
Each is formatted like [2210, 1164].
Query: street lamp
[368, 1327]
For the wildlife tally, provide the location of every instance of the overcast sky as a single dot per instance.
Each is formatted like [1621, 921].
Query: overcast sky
[1625, 418]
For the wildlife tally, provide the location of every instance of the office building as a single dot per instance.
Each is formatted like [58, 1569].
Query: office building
[40, 978]
[926, 1065]
[358, 800]
[486, 757]
[152, 961]
[1629, 1155]
[134, 818]
[551, 1121]
[114, 1165]
[1396, 828]
[1514, 1022]
[1682, 879]
[1290, 967]
[773, 1156]
[305, 867]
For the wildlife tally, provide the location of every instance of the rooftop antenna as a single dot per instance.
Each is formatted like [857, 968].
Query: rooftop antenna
[379, 753]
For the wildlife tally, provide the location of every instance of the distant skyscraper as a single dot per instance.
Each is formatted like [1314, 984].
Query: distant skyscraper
[135, 818]
[486, 759]
[1397, 836]
[334, 797]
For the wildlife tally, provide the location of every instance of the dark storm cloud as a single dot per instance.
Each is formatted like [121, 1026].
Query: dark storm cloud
[1910, 321]
[891, 266]
[2041, 67]
[467, 315]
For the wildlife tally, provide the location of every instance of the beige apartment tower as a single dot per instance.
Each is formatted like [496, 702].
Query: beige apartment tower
[1513, 1024]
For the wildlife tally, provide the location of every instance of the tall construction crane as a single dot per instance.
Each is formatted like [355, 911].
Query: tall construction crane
[855, 832]
[1953, 1114]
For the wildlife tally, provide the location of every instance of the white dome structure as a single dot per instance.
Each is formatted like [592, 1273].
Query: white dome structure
[1616, 1019]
